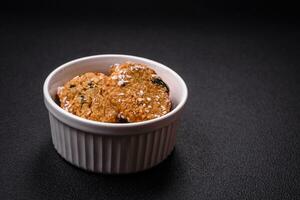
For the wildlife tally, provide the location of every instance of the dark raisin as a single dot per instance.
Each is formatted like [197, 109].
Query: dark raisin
[122, 84]
[121, 120]
[82, 99]
[56, 100]
[71, 86]
[158, 81]
[91, 84]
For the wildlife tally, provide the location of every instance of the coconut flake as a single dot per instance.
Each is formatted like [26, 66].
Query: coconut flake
[59, 89]
[141, 92]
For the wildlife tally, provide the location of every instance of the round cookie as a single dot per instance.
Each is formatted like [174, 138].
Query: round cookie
[140, 94]
[86, 96]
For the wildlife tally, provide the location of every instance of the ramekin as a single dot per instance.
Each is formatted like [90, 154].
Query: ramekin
[113, 147]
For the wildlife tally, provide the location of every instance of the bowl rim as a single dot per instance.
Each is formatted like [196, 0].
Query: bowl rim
[53, 105]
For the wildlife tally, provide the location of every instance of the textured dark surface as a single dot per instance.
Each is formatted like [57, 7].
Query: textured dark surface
[239, 136]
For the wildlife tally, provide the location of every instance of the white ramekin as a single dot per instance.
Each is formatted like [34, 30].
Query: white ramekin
[111, 147]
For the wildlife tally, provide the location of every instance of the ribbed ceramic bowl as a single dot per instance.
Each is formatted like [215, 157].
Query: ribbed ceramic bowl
[112, 147]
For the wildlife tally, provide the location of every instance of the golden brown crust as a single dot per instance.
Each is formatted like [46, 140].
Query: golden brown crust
[137, 97]
[130, 94]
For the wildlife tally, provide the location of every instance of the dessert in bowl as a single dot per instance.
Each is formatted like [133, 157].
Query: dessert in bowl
[133, 136]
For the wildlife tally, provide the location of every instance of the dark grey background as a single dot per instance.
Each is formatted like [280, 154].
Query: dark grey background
[239, 136]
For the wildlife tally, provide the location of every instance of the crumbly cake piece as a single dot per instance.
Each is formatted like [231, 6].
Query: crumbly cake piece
[85, 96]
[139, 96]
